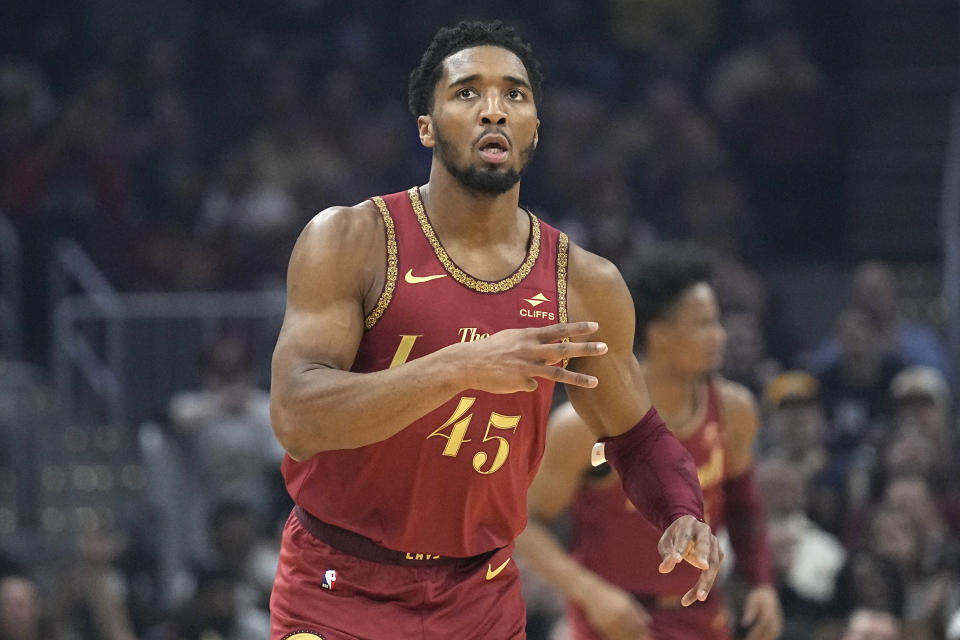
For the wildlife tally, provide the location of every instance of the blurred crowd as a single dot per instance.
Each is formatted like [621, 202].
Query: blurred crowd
[856, 463]
[185, 147]
[187, 153]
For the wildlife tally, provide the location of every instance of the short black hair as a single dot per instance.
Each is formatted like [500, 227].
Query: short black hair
[661, 276]
[450, 40]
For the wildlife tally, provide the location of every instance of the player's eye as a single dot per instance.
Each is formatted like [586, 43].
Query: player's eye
[466, 93]
[515, 94]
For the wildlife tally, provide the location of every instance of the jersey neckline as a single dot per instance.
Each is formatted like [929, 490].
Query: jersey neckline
[461, 276]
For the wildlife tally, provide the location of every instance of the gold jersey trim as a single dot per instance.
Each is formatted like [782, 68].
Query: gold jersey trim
[562, 246]
[391, 280]
[461, 276]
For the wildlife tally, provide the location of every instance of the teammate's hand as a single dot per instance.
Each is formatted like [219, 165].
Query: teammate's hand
[614, 614]
[512, 360]
[689, 539]
[762, 614]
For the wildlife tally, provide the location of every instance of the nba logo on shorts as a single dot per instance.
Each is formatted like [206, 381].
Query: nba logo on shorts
[329, 577]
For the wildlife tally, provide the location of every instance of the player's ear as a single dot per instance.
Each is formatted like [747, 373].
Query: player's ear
[425, 127]
[536, 135]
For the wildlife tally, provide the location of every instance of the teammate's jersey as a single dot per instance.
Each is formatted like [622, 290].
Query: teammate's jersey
[453, 482]
[616, 542]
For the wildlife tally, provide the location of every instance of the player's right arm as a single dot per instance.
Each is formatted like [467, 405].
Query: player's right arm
[611, 611]
[334, 278]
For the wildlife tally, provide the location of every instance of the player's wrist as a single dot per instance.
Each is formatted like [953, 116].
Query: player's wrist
[657, 472]
[677, 516]
[449, 369]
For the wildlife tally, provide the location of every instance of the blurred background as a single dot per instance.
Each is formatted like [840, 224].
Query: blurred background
[157, 161]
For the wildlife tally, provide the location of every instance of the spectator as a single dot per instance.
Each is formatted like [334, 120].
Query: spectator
[92, 592]
[855, 385]
[871, 581]
[746, 360]
[227, 431]
[893, 534]
[251, 217]
[213, 612]
[806, 559]
[244, 552]
[866, 624]
[21, 611]
[921, 399]
[874, 291]
[795, 427]
[795, 419]
[912, 495]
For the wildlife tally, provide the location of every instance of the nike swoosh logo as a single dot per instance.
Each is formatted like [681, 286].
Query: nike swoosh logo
[412, 279]
[493, 573]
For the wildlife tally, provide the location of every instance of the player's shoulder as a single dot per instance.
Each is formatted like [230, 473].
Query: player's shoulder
[738, 406]
[343, 242]
[734, 394]
[345, 223]
[597, 292]
[589, 269]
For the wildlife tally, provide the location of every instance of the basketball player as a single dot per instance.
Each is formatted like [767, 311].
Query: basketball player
[613, 578]
[413, 375]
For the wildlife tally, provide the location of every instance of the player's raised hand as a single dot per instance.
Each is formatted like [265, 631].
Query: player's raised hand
[513, 359]
[691, 540]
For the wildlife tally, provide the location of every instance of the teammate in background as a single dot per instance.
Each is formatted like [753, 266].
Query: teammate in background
[413, 375]
[612, 578]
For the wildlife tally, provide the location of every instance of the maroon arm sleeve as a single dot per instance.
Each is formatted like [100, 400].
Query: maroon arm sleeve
[747, 526]
[657, 472]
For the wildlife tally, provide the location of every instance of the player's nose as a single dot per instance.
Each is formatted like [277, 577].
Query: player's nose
[492, 110]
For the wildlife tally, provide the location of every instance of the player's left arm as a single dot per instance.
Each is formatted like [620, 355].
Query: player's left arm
[746, 520]
[657, 472]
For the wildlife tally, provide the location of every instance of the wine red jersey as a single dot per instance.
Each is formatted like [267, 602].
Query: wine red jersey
[615, 541]
[453, 482]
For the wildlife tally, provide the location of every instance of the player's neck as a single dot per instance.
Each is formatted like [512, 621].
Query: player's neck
[675, 394]
[454, 210]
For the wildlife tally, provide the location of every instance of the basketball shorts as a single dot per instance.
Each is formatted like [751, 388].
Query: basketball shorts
[322, 592]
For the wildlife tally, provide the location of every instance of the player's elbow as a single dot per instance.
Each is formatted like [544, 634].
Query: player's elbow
[286, 427]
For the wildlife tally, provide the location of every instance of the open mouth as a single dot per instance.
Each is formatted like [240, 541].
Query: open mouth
[493, 148]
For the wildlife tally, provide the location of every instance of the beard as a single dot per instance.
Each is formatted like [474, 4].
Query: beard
[483, 181]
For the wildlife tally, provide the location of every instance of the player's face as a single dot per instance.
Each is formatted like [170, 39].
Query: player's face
[693, 331]
[483, 127]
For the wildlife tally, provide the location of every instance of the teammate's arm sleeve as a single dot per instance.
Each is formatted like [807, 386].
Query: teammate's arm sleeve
[747, 526]
[746, 516]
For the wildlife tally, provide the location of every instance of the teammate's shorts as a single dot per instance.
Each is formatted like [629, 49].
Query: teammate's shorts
[321, 592]
[700, 621]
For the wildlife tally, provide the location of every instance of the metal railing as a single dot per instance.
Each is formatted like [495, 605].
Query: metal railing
[133, 351]
[70, 269]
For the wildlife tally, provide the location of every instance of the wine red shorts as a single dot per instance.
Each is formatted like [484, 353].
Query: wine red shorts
[323, 592]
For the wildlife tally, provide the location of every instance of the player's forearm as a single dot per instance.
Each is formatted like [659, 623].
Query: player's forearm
[657, 472]
[323, 409]
[545, 555]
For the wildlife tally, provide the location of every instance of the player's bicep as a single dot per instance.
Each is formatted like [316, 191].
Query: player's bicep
[620, 399]
[323, 322]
